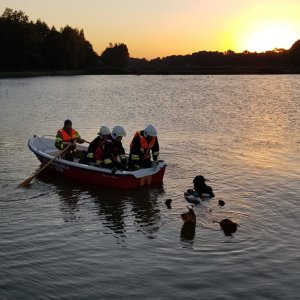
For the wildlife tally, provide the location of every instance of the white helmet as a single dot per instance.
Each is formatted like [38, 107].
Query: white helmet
[104, 131]
[118, 131]
[150, 131]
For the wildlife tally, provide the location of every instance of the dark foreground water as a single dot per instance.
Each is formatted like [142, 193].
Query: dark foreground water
[63, 240]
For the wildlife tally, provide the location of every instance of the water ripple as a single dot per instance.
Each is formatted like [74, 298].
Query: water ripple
[61, 239]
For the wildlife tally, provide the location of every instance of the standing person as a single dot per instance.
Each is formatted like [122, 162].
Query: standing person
[103, 134]
[112, 152]
[143, 143]
[64, 137]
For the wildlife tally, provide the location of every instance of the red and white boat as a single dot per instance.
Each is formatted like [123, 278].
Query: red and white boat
[45, 150]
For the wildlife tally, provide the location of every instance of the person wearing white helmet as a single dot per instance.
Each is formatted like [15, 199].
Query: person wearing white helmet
[113, 152]
[142, 145]
[103, 134]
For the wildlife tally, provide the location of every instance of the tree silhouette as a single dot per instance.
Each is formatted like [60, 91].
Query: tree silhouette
[295, 53]
[33, 46]
[53, 50]
[14, 34]
[30, 46]
[116, 55]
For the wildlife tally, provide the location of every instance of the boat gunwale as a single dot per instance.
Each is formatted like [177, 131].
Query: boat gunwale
[89, 168]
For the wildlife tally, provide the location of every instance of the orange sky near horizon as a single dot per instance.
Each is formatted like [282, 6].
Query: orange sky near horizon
[158, 28]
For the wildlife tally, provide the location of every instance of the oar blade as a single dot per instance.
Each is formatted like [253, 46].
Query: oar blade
[26, 182]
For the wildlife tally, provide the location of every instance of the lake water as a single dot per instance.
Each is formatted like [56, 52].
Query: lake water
[62, 240]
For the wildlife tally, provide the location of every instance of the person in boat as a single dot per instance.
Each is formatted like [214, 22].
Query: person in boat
[103, 134]
[64, 137]
[111, 153]
[142, 145]
[201, 187]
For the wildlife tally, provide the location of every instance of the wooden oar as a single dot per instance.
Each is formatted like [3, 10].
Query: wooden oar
[27, 181]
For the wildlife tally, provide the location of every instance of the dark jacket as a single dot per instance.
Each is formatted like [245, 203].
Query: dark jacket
[201, 187]
[112, 149]
[93, 146]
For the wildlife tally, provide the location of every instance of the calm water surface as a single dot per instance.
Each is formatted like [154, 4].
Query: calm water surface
[62, 240]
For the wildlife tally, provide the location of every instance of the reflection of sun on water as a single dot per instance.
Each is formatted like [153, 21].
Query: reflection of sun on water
[263, 143]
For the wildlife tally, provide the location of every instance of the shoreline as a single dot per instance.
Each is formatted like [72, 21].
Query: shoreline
[159, 71]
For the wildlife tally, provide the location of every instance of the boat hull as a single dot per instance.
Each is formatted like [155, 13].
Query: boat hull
[100, 176]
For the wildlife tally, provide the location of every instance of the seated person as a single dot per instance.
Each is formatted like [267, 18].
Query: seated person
[64, 137]
[90, 158]
[111, 150]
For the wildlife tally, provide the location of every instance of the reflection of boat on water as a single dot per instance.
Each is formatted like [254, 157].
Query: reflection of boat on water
[45, 150]
[118, 211]
[136, 211]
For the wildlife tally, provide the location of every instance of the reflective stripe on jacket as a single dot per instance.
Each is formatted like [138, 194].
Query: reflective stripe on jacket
[112, 149]
[93, 147]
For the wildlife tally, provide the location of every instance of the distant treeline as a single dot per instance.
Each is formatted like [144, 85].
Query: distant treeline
[203, 62]
[28, 46]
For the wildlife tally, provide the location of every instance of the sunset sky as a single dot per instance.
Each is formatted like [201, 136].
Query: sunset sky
[158, 28]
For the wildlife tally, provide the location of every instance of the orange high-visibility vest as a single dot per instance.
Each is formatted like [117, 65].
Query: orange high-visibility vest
[66, 137]
[145, 144]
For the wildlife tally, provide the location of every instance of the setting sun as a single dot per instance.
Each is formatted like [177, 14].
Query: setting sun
[174, 27]
[264, 26]
[270, 37]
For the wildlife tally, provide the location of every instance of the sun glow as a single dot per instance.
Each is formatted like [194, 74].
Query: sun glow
[268, 36]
